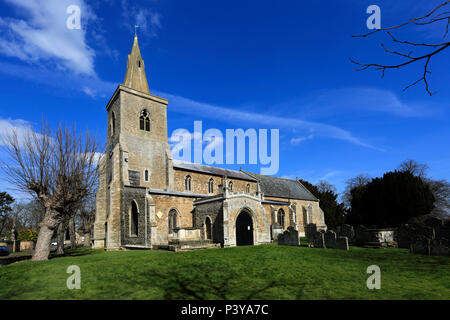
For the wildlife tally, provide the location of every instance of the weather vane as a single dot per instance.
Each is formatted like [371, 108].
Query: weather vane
[135, 29]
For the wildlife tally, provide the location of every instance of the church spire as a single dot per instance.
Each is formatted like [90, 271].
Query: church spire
[135, 77]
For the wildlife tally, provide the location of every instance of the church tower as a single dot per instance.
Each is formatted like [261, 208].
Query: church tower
[137, 158]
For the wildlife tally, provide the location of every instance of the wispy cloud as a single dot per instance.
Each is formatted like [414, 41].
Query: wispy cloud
[369, 99]
[187, 106]
[298, 140]
[8, 126]
[148, 20]
[44, 37]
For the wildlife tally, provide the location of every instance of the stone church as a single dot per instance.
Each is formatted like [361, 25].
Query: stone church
[146, 199]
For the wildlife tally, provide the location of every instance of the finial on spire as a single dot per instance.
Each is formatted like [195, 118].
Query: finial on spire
[135, 29]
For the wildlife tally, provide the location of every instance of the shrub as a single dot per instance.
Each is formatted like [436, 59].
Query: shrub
[27, 235]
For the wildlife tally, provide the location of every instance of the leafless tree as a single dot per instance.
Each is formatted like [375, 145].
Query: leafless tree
[356, 182]
[440, 14]
[325, 186]
[57, 169]
[87, 217]
[441, 192]
[413, 167]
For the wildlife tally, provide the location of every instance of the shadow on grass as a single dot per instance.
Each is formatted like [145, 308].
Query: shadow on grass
[83, 251]
[210, 281]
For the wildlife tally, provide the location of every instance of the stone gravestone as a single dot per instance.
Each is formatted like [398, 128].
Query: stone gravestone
[439, 247]
[347, 231]
[405, 235]
[310, 231]
[360, 234]
[421, 245]
[436, 224]
[318, 240]
[289, 237]
[330, 239]
[342, 243]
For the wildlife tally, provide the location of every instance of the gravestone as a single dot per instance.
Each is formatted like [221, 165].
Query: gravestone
[347, 231]
[421, 245]
[330, 239]
[436, 224]
[439, 248]
[318, 240]
[310, 231]
[289, 237]
[342, 243]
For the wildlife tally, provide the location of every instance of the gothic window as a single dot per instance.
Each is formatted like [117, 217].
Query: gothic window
[248, 188]
[211, 186]
[187, 183]
[310, 214]
[146, 175]
[230, 185]
[281, 217]
[144, 120]
[172, 220]
[134, 219]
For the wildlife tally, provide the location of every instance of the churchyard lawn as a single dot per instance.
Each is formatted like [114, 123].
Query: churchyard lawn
[259, 272]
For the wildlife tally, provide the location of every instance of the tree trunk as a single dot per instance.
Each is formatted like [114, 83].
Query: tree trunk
[87, 239]
[48, 226]
[61, 236]
[73, 239]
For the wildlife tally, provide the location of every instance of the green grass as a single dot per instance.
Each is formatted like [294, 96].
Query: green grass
[260, 272]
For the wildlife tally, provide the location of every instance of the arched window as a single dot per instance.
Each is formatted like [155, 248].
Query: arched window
[113, 123]
[230, 185]
[146, 175]
[187, 183]
[134, 219]
[281, 217]
[211, 186]
[310, 214]
[208, 228]
[248, 188]
[144, 120]
[172, 220]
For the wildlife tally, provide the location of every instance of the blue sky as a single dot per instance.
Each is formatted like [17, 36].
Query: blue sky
[237, 64]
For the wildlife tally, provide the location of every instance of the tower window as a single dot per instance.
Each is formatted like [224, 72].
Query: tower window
[248, 188]
[211, 186]
[113, 123]
[144, 120]
[146, 175]
[230, 185]
[139, 63]
[187, 183]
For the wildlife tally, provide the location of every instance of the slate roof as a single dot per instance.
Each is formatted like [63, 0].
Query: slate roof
[283, 188]
[195, 167]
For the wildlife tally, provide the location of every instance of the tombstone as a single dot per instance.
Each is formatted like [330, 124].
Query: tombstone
[310, 231]
[421, 245]
[347, 231]
[276, 230]
[405, 236]
[439, 248]
[342, 243]
[361, 234]
[330, 239]
[318, 240]
[289, 237]
[436, 224]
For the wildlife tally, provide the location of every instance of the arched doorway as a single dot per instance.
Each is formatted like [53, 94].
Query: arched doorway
[244, 229]
[134, 219]
[208, 228]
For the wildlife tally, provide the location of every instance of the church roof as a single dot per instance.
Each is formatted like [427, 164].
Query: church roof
[195, 167]
[283, 188]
